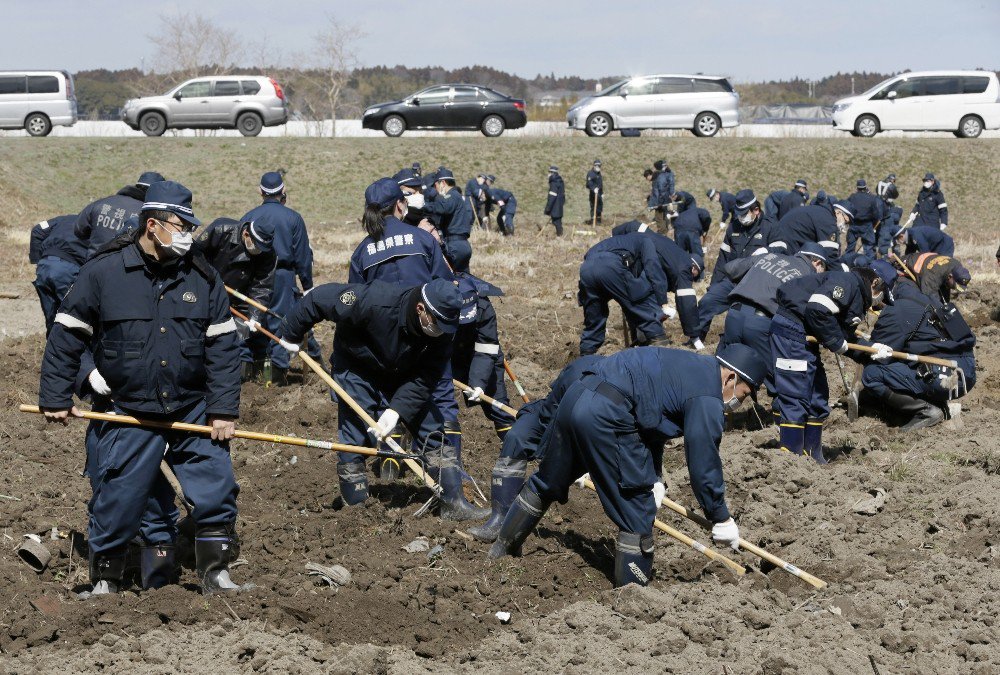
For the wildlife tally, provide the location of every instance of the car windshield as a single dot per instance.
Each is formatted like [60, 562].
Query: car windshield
[613, 89]
[877, 87]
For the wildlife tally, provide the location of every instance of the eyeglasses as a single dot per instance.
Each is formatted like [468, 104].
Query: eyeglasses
[179, 227]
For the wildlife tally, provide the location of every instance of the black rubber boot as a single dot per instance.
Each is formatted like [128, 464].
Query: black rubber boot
[156, 565]
[521, 520]
[279, 376]
[248, 371]
[813, 443]
[454, 505]
[922, 413]
[508, 479]
[353, 482]
[212, 554]
[633, 559]
[107, 571]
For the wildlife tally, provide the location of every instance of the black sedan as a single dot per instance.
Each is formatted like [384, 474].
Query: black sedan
[448, 106]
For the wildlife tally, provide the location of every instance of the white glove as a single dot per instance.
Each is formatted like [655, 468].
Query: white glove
[252, 325]
[386, 423]
[883, 353]
[698, 344]
[659, 492]
[474, 394]
[727, 533]
[98, 384]
[596, 190]
[579, 481]
[944, 226]
[499, 203]
[722, 226]
[293, 348]
[909, 221]
[669, 311]
[416, 200]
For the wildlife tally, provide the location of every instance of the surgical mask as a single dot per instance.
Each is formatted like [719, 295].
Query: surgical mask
[430, 329]
[180, 242]
[597, 169]
[416, 200]
[732, 403]
[746, 218]
[928, 184]
[878, 300]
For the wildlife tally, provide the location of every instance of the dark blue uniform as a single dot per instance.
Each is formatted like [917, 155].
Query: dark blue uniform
[689, 229]
[929, 240]
[405, 255]
[805, 224]
[727, 201]
[103, 220]
[740, 241]
[662, 189]
[792, 200]
[867, 213]
[829, 307]
[476, 192]
[628, 269]
[613, 424]
[57, 254]
[454, 219]
[505, 216]
[293, 257]
[771, 205]
[555, 201]
[890, 222]
[165, 342]
[931, 208]
[595, 193]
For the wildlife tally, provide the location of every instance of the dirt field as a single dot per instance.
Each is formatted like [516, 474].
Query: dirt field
[912, 588]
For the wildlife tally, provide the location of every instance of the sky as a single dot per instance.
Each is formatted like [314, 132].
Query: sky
[751, 40]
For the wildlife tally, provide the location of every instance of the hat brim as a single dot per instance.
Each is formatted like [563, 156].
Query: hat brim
[742, 375]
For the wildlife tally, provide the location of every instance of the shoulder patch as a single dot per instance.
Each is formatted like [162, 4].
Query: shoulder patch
[348, 298]
[189, 296]
[838, 292]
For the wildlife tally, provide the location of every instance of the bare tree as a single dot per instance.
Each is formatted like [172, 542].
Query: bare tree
[190, 45]
[332, 61]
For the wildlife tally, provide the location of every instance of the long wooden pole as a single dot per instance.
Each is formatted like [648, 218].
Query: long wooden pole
[492, 401]
[902, 356]
[517, 384]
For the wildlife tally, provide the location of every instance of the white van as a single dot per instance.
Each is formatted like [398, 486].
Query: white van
[961, 101]
[35, 100]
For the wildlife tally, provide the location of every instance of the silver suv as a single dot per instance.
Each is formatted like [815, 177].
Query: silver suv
[702, 103]
[245, 102]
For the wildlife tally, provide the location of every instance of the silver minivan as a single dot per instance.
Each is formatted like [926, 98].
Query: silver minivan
[36, 100]
[244, 102]
[702, 103]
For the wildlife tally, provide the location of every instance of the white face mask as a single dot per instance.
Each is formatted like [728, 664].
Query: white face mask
[416, 200]
[180, 242]
[733, 403]
[928, 184]
[430, 329]
[746, 218]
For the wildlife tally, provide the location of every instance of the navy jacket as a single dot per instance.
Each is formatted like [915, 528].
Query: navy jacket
[475, 190]
[867, 208]
[772, 202]
[453, 214]
[509, 202]
[162, 335]
[56, 237]
[931, 207]
[405, 255]
[908, 325]
[728, 203]
[477, 342]
[675, 393]
[804, 224]
[376, 339]
[556, 198]
[929, 240]
[547, 407]
[739, 242]
[758, 278]
[662, 188]
[696, 220]
[684, 201]
[289, 237]
[829, 306]
[792, 200]
[595, 180]
[639, 251]
[103, 220]
[253, 275]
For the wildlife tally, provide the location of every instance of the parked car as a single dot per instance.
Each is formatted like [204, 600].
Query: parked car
[36, 100]
[245, 102]
[702, 103]
[961, 101]
[448, 106]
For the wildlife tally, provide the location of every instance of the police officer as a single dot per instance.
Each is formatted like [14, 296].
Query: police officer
[476, 193]
[823, 198]
[883, 185]
[925, 240]
[867, 213]
[613, 423]
[244, 259]
[507, 204]
[556, 199]
[931, 209]
[286, 230]
[522, 444]
[625, 268]
[794, 198]
[754, 298]
[662, 188]
[919, 324]
[454, 219]
[829, 307]
[690, 228]
[818, 224]
[101, 221]
[390, 349]
[890, 217]
[158, 319]
[57, 253]
[489, 203]
[771, 204]
[595, 190]
[727, 201]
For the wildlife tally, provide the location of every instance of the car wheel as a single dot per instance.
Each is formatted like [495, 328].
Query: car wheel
[707, 125]
[249, 124]
[394, 126]
[866, 126]
[599, 124]
[970, 127]
[492, 126]
[153, 124]
[37, 124]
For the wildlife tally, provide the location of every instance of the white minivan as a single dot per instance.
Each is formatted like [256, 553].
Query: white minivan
[36, 100]
[961, 101]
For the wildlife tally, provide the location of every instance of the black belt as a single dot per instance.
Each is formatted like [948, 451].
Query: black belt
[284, 265]
[752, 307]
[605, 389]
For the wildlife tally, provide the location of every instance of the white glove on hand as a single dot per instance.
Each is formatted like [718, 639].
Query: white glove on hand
[698, 344]
[500, 203]
[288, 346]
[579, 481]
[659, 492]
[474, 394]
[385, 424]
[883, 353]
[252, 325]
[722, 226]
[416, 200]
[669, 311]
[944, 226]
[596, 190]
[98, 384]
[727, 533]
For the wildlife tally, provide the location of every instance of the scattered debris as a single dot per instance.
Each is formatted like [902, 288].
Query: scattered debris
[504, 617]
[871, 505]
[417, 545]
[33, 552]
[335, 575]
[435, 553]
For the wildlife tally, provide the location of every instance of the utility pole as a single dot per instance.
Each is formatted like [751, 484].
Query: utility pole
[852, 85]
